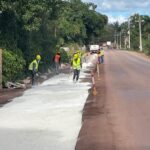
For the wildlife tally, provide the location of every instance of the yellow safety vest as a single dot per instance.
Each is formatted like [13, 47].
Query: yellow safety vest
[77, 63]
[102, 53]
[36, 65]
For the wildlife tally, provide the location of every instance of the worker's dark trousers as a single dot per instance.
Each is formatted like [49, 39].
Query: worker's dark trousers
[102, 59]
[33, 77]
[57, 67]
[76, 74]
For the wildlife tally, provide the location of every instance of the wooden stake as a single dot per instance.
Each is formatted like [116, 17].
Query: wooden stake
[94, 91]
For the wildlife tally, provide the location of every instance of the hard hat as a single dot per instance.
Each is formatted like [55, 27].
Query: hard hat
[38, 57]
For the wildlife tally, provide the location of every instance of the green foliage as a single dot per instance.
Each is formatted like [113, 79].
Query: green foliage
[147, 46]
[145, 25]
[13, 65]
[41, 27]
[134, 32]
[64, 56]
[107, 33]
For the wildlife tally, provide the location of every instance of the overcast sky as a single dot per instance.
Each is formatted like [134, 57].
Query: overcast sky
[120, 10]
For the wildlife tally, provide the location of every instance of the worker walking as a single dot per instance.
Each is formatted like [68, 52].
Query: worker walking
[99, 57]
[57, 59]
[33, 68]
[102, 55]
[76, 64]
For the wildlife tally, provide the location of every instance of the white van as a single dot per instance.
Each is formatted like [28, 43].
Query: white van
[94, 48]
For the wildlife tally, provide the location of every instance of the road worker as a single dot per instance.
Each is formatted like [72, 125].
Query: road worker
[99, 56]
[76, 64]
[33, 68]
[57, 59]
[102, 55]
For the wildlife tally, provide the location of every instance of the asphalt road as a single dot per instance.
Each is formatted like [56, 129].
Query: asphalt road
[118, 117]
[128, 99]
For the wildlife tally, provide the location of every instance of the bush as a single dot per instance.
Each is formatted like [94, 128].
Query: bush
[64, 56]
[13, 65]
[147, 47]
[135, 44]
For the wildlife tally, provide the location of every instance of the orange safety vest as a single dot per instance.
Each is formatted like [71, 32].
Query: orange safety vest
[57, 58]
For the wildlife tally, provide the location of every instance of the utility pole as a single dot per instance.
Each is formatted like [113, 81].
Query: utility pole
[129, 32]
[140, 34]
[117, 40]
[120, 40]
[125, 42]
[115, 37]
[0, 68]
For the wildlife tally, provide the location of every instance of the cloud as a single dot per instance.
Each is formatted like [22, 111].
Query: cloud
[120, 5]
[106, 5]
[121, 9]
[120, 19]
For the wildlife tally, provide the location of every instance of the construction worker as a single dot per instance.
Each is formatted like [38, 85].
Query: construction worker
[99, 56]
[57, 59]
[33, 67]
[102, 55]
[76, 64]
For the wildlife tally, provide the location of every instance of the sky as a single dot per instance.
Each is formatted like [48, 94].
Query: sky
[120, 10]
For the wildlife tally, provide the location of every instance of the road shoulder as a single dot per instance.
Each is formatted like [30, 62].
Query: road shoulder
[96, 132]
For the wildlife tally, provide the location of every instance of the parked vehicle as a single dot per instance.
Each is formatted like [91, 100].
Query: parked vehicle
[94, 48]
